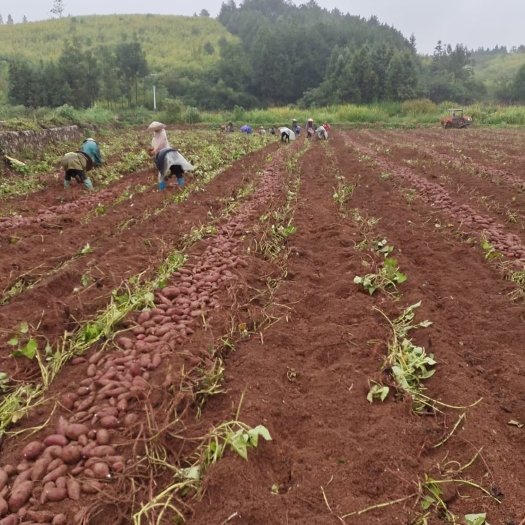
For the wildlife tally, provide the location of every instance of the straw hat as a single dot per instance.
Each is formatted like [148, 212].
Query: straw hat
[156, 126]
[89, 160]
[310, 120]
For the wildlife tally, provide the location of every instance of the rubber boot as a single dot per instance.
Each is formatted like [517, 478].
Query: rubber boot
[162, 185]
[67, 183]
[89, 184]
[180, 180]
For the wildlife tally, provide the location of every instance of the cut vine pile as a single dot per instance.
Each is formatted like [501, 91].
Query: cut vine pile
[321, 332]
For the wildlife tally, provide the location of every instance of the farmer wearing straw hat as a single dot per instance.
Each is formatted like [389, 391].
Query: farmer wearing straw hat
[76, 164]
[294, 125]
[310, 128]
[160, 139]
[321, 133]
[262, 131]
[91, 148]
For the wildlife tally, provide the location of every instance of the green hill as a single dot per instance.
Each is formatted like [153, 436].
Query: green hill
[169, 41]
[492, 68]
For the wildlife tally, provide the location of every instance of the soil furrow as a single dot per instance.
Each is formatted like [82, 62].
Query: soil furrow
[309, 377]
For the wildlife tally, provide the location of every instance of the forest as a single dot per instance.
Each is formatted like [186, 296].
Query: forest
[260, 53]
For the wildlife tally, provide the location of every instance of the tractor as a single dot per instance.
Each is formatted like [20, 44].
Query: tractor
[456, 119]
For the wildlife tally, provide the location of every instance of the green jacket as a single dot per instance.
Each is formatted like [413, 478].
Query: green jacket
[74, 161]
[91, 148]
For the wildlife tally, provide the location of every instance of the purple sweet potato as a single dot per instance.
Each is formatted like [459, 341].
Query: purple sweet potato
[74, 431]
[4, 508]
[71, 454]
[103, 437]
[59, 519]
[3, 479]
[40, 468]
[55, 474]
[20, 495]
[56, 439]
[33, 450]
[73, 489]
[56, 494]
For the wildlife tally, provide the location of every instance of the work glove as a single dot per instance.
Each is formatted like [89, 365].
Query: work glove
[162, 185]
[89, 184]
[67, 183]
[180, 180]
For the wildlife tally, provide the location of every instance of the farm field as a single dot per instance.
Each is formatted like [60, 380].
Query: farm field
[325, 332]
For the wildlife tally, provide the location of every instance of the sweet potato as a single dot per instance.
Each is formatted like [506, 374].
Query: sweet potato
[73, 489]
[10, 470]
[55, 474]
[4, 508]
[33, 450]
[109, 422]
[56, 439]
[40, 516]
[108, 411]
[103, 437]
[56, 494]
[91, 371]
[40, 468]
[71, 454]
[74, 431]
[68, 400]
[92, 487]
[59, 519]
[86, 404]
[61, 426]
[102, 451]
[53, 452]
[61, 482]
[4, 478]
[10, 520]
[100, 470]
[20, 495]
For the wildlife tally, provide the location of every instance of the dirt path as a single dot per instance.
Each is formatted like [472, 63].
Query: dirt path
[309, 375]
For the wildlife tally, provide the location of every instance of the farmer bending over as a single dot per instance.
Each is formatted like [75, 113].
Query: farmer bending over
[321, 133]
[76, 164]
[91, 148]
[170, 162]
[286, 134]
[160, 139]
[310, 128]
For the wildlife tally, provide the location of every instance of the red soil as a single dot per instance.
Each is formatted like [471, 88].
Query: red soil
[306, 376]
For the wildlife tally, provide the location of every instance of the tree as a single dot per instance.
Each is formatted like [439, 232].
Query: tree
[58, 8]
[24, 19]
[204, 13]
[519, 85]
[9, 20]
[132, 64]
[1, 20]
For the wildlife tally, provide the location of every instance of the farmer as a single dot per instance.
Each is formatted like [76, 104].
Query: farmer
[91, 148]
[286, 134]
[310, 128]
[230, 127]
[321, 133]
[294, 125]
[246, 129]
[262, 131]
[272, 130]
[327, 126]
[76, 164]
[298, 130]
[168, 162]
[160, 139]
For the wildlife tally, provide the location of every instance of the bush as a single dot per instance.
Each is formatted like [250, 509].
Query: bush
[421, 106]
[173, 110]
[238, 113]
[192, 116]
[67, 112]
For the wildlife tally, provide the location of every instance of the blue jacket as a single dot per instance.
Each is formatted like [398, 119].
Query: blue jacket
[90, 147]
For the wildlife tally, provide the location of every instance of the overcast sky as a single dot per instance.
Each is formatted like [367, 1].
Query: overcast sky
[471, 22]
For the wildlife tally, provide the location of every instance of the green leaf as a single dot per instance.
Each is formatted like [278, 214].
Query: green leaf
[401, 278]
[30, 349]
[13, 341]
[24, 328]
[476, 519]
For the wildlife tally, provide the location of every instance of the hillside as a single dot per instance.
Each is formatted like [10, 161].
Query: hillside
[169, 41]
[493, 69]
